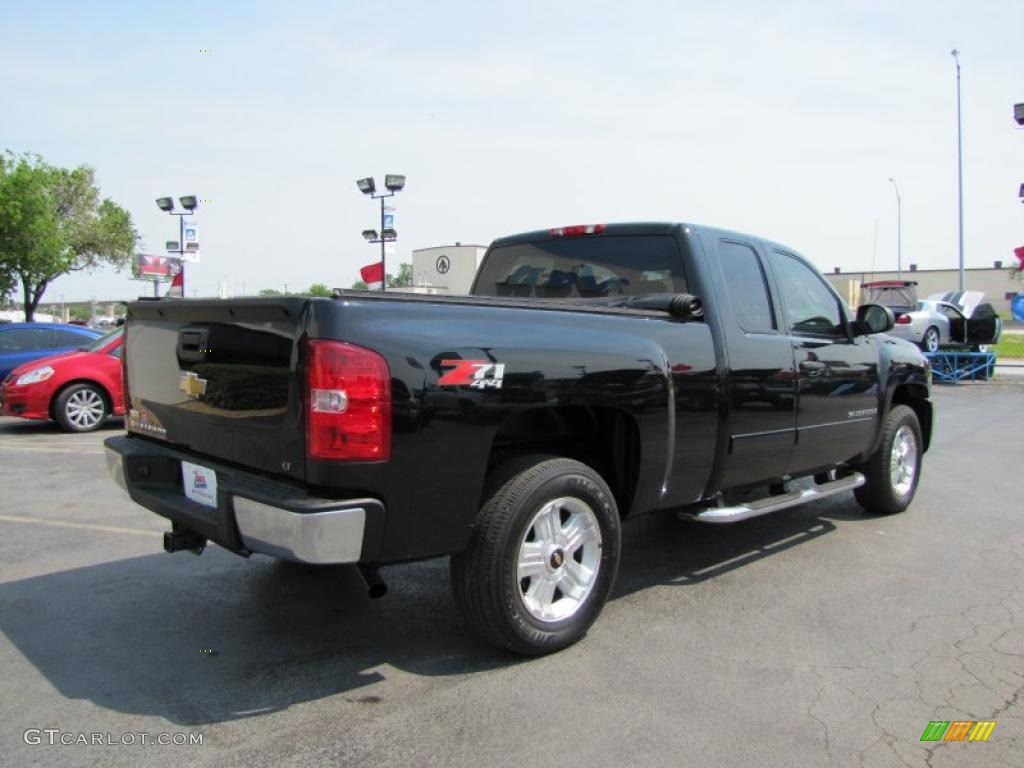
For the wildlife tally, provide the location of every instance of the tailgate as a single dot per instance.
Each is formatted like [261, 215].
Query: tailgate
[219, 378]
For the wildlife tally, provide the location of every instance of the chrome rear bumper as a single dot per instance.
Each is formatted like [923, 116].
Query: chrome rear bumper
[253, 513]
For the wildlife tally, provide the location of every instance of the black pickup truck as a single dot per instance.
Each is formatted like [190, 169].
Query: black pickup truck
[595, 373]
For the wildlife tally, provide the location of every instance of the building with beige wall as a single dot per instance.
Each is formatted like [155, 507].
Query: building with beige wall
[446, 269]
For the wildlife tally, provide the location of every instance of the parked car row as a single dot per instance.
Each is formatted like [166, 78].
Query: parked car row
[78, 386]
[23, 342]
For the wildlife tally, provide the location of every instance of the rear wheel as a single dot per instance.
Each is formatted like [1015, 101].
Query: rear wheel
[892, 473]
[81, 408]
[543, 557]
[930, 342]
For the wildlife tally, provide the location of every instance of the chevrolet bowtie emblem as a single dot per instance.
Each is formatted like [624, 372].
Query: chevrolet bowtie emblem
[192, 385]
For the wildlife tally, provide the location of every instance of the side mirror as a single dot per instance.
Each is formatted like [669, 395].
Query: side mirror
[874, 318]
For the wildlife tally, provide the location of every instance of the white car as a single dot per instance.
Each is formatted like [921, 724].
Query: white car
[952, 319]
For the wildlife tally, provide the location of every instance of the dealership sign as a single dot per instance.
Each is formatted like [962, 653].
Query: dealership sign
[153, 267]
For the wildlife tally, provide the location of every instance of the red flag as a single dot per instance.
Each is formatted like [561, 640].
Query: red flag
[373, 275]
[1019, 253]
[177, 289]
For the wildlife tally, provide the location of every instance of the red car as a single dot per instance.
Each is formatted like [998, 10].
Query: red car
[79, 389]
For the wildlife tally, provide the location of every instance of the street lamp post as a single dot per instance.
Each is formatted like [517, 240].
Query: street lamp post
[899, 231]
[394, 183]
[189, 203]
[959, 165]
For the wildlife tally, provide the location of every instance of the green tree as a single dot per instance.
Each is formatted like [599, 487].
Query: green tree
[319, 289]
[79, 313]
[52, 222]
[360, 285]
[270, 292]
[404, 279]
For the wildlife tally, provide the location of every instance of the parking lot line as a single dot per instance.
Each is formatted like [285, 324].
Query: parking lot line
[47, 450]
[84, 526]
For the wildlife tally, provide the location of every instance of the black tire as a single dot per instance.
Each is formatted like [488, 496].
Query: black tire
[881, 494]
[81, 408]
[931, 340]
[486, 578]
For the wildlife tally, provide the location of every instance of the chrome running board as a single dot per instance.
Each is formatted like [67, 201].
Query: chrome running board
[775, 503]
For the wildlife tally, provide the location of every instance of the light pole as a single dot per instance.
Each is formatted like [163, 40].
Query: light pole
[899, 230]
[394, 183]
[189, 203]
[959, 164]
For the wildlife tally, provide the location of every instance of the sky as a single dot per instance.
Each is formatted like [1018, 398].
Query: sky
[785, 120]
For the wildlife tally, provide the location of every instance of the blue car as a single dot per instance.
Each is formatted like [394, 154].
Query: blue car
[22, 342]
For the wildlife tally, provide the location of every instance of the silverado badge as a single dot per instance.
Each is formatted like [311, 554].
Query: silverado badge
[192, 385]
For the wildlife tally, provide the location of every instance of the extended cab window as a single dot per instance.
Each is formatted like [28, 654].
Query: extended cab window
[583, 267]
[747, 288]
[812, 308]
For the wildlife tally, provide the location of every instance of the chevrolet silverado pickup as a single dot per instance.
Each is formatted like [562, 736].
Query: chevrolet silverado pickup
[595, 373]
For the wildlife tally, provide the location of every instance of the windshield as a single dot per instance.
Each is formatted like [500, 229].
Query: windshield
[103, 341]
[583, 267]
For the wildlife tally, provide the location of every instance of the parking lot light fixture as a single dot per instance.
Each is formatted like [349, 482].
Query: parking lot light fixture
[395, 183]
[189, 203]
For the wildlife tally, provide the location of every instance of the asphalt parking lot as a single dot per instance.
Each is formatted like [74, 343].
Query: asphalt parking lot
[815, 637]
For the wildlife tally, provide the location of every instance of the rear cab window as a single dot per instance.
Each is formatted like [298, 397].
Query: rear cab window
[583, 268]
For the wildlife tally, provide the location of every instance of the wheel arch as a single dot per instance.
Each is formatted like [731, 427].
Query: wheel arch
[915, 396]
[80, 380]
[604, 438]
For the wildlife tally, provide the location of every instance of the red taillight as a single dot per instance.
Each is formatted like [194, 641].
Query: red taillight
[348, 402]
[903, 320]
[578, 229]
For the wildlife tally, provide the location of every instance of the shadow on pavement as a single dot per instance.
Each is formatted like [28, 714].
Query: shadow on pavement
[659, 549]
[221, 638]
[14, 427]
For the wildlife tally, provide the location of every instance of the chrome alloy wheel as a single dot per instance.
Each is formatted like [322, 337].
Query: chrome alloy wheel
[903, 461]
[558, 559]
[85, 408]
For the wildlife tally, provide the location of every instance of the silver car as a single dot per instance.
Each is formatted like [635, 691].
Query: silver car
[952, 319]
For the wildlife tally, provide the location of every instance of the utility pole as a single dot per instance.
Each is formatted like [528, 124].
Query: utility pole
[899, 231]
[959, 165]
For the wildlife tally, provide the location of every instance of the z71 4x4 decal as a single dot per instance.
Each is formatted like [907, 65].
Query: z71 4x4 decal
[479, 374]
